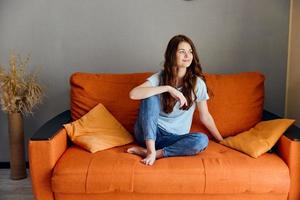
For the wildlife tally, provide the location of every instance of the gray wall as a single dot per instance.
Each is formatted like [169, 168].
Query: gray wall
[65, 36]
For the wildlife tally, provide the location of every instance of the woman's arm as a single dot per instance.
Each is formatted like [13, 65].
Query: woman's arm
[146, 90]
[208, 121]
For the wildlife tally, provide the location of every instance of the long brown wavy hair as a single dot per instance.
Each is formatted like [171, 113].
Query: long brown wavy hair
[169, 74]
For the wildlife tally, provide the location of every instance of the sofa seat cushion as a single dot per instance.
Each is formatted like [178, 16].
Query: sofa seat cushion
[217, 170]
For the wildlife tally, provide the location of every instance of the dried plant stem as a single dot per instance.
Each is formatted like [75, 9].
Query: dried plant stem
[19, 92]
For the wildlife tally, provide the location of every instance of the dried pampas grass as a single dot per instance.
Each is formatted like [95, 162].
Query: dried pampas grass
[19, 91]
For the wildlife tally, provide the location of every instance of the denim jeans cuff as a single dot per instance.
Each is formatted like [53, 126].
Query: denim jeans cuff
[149, 138]
[164, 152]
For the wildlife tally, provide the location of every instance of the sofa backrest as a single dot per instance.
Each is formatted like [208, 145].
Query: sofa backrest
[236, 104]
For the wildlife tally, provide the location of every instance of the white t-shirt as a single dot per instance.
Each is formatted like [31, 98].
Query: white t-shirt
[179, 121]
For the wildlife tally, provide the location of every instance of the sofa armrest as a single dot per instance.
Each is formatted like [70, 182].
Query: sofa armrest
[293, 132]
[288, 148]
[267, 115]
[45, 148]
[47, 131]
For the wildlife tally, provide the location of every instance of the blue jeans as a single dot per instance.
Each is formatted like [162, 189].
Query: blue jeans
[146, 128]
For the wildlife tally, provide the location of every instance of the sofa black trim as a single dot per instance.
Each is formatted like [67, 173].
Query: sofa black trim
[47, 131]
[293, 132]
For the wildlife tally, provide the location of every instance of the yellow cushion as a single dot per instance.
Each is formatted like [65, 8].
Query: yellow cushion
[98, 130]
[260, 138]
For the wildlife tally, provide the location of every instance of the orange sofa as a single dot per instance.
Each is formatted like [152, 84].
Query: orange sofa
[60, 170]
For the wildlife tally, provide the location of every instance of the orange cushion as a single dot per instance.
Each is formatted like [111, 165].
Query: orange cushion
[217, 170]
[237, 103]
[236, 106]
[97, 130]
[112, 90]
[259, 139]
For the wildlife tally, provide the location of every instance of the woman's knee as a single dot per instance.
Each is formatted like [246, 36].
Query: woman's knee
[151, 103]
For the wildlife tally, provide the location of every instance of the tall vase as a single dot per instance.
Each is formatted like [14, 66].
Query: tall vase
[17, 149]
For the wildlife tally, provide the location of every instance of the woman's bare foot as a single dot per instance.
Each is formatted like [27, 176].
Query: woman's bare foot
[150, 159]
[140, 151]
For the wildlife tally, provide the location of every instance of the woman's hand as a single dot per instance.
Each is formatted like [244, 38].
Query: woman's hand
[219, 138]
[178, 96]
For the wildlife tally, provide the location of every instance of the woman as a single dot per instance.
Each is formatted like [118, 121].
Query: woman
[168, 102]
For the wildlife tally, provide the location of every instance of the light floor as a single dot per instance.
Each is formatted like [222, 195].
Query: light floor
[14, 189]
